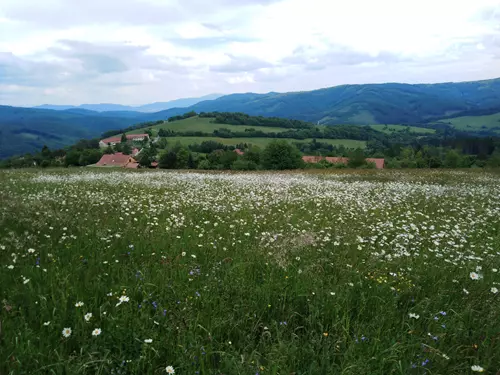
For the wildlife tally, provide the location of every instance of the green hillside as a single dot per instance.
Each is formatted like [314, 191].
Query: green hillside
[25, 130]
[390, 129]
[475, 123]
[206, 125]
[262, 142]
[390, 103]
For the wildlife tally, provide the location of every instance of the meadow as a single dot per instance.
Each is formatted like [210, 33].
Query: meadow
[263, 142]
[389, 129]
[154, 272]
[475, 123]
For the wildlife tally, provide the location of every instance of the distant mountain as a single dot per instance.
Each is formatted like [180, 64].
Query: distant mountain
[25, 130]
[154, 107]
[390, 103]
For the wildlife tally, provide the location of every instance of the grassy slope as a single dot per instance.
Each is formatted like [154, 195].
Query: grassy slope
[476, 123]
[268, 273]
[391, 103]
[205, 125]
[397, 128]
[262, 142]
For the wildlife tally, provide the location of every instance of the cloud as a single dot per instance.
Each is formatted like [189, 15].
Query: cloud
[237, 64]
[137, 51]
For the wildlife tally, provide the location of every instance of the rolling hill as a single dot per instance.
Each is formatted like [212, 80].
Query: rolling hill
[26, 129]
[471, 107]
[147, 108]
[390, 103]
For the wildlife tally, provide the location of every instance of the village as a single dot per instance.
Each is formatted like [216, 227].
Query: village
[138, 141]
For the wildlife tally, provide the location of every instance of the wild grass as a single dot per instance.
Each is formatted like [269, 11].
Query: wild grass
[227, 273]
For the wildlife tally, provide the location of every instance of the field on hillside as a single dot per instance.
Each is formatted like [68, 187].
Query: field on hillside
[263, 142]
[366, 272]
[389, 129]
[205, 125]
[476, 123]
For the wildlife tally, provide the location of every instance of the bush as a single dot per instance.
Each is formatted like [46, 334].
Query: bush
[281, 155]
[244, 165]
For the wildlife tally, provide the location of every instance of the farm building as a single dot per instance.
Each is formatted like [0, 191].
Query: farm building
[115, 140]
[118, 159]
[379, 163]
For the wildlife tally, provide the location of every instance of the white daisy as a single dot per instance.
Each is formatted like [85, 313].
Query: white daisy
[475, 276]
[66, 332]
[148, 341]
[477, 368]
[494, 290]
[414, 316]
[170, 370]
[87, 317]
[122, 299]
[79, 304]
[96, 332]
[46, 323]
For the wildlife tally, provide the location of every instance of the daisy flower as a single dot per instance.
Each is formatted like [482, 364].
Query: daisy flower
[66, 332]
[148, 341]
[79, 304]
[494, 290]
[122, 299]
[170, 370]
[477, 368]
[87, 317]
[46, 324]
[475, 276]
[96, 332]
[414, 316]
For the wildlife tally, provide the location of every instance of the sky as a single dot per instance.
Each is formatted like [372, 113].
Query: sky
[141, 51]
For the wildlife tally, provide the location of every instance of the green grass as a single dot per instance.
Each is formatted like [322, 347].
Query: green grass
[476, 123]
[205, 125]
[268, 273]
[262, 142]
[390, 129]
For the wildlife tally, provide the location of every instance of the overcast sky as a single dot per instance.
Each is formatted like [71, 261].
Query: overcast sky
[141, 51]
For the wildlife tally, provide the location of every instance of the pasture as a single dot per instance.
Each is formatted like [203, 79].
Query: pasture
[153, 272]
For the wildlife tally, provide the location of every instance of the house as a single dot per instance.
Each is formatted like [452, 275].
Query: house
[112, 141]
[379, 163]
[239, 152]
[117, 159]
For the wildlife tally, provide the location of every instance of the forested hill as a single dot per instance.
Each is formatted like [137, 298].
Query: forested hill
[390, 103]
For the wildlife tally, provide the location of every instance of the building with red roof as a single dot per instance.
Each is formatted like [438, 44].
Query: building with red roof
[111, 141]
[117, 159]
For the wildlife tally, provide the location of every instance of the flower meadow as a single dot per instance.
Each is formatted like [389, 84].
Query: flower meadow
[133, 272]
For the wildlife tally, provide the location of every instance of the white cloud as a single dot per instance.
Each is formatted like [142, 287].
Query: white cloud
[138, 51]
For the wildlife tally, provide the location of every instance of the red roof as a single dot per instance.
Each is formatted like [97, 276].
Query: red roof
[379, 163]
[117, 159]
[118, 139]
[239, 152]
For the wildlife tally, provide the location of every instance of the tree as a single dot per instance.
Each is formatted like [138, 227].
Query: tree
[280, 155]
[228, 158]
[452, 159]
[356, 159]
[182, 158]
[146, 157]
[253, 155]
[191, 164]
[124, 138]
[126, 149]
[168, 160]
[109, 150]
[72, 158]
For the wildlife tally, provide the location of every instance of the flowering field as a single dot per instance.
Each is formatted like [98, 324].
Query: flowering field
[116, 272]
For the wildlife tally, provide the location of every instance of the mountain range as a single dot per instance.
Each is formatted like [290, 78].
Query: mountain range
[28, 129]
[147, 108]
